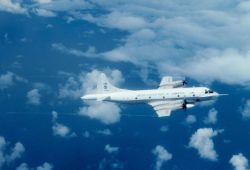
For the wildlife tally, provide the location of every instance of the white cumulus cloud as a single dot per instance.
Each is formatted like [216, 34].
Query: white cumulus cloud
[111, 149]
[9, 79]
[105, 112]
[9, 155]
[106, 132]
[60, 129]
[43, 1]
[12, 7]
[44, 12]
[202, 141]
[75, 87]
[245, 110]
[85, 83]
[34, 97]
[63, 5]
[164, 35]
[211, 117]
[44, 166]
[162, 155]
[190, 119]
[239, 162]
[16, 152]
[6, 80]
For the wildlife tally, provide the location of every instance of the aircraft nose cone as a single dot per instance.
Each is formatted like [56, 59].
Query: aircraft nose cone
[216, 94]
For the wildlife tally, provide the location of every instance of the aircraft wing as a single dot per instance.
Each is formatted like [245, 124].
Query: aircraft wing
[164, 108]
[167, 82]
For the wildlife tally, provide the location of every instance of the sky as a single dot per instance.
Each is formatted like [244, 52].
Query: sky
[52, 52]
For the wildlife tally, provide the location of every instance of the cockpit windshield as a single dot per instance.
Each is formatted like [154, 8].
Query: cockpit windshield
[208, 91]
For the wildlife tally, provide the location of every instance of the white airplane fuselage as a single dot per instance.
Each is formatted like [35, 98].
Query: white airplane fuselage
[191, 95]
[171, 95]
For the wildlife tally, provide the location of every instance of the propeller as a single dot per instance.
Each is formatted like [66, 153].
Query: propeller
[184, 105]
[184, 82]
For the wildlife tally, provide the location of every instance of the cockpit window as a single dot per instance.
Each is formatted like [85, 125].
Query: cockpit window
[208, 91]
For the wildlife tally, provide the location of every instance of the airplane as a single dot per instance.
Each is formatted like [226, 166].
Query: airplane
[171, 95]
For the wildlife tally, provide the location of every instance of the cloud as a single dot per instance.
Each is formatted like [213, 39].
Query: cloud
[211, 117]
[71, 89]
[217, 59]
[111, 149]
[111, 163]
[90, 53]
[44, 12]
[86, 82]
[239, 162]
[9, 155]
[174, 37]
[9, 79]
[6, 80]
[119, 20]
[106, 132]
[34, 97]
[12, 7]
[245, 110]
[23, 166]
[60, 129]
[190, 119]
[63, 5]
[202, 141]
[43, 1]
[106, 112]
[16, 152]
[44, 166]
[86, 134]
[162, 155]
[164, 128]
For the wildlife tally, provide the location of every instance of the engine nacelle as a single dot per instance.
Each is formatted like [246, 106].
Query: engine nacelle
[190, 105]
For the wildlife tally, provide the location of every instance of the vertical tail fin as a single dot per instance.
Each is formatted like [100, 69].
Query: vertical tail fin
[103, 85]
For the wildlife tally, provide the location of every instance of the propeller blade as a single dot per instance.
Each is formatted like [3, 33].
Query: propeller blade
[184, 82]
[184, 105]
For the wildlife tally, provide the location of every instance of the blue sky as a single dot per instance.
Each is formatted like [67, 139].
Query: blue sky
[53, 51]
